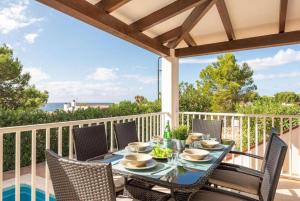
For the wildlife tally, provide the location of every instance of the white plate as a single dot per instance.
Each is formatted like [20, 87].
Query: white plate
[150, 164]
[148, 149]
[185, 157]
[218, 147]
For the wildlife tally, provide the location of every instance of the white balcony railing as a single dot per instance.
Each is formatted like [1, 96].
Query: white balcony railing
[249, 132]
[147, 125]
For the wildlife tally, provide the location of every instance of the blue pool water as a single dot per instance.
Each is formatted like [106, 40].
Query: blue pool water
[9, 194]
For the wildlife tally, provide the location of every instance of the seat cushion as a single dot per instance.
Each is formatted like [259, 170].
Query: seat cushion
[203, 195]
[235, 180]
[119, 182]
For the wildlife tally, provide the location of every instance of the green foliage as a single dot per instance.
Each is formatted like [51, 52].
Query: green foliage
[287, 97]
[28, 117]
[192, 98]
[180, 133]
[227, 83]
[266, 105]
[14, 85]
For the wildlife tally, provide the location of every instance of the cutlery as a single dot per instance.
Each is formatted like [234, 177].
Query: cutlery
[165, 168]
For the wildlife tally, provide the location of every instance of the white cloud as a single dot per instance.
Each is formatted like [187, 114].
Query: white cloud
[30, 38]
[61, 91]
[15, 17]
[37, 75]
[281, 57]
[197, 61]
[104, 74]
[276, 76]
[141, 78]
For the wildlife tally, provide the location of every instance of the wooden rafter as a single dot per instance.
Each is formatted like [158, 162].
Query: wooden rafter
[111, 5]
[188, 39]
[165, 13]
[241, 44]
[222, 9]
[97, 17]
[196, 15]
[169, 35]
[282, 15]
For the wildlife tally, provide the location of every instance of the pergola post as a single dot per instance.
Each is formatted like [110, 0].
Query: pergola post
[170, 90]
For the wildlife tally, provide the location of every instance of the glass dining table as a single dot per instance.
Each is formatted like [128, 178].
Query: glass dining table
[181, 175]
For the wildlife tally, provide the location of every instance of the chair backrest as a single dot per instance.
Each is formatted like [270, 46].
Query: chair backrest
[80, 181]
[125, 133]
[272, 169]
[212, 127]
[267, 150]
[90, 142]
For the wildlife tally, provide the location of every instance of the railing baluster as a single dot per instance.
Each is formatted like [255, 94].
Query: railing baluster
[70, 142]
[182, 119]
[17, 166]
[139, 129]
[241, 139]
[111, 135]
[225, 126]
[157, 125]
[281, 125]
[248, 143]
[188, 121]
[143, 129]
[60, 141]
[264, 133]
[47, 178]
[232, 136]
[33, 164]
[151, 131]
[147, 128]
[256, 142]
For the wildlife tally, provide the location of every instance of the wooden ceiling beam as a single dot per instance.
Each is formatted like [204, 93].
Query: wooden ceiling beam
[222, 9]
[188, 39]
[286, 38]
[111, 5]
[196, 15]
[165, 13]
[169, 35]
[282, 15]
[97, 17]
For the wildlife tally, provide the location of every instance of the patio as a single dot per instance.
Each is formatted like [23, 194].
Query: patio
[173, 30]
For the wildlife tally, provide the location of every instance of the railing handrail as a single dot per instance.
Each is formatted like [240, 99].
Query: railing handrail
[241, 115]
[23, 128]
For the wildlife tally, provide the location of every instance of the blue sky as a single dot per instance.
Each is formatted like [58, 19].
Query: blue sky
[73, 60]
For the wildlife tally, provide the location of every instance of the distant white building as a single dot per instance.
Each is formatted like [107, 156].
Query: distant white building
[72, 106]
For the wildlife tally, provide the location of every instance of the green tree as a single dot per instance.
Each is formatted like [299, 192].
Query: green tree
[227, 83]
[15, 90]
[287, 97]
[192, 98]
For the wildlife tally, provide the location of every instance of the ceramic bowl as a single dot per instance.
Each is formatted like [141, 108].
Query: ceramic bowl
[209, 143]
[196, 154]
[138, 146]
[137, 160]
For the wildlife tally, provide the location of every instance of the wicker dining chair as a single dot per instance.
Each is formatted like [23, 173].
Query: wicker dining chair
[90, 181]
[211, 127]
[90, 142]
[265, 186]
[125, 133]
[239, 177]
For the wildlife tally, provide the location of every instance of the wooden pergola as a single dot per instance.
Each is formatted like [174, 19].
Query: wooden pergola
[161, 25]
[184, 28]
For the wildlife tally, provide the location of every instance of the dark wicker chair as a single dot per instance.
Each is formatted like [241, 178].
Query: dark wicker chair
[125, 133]
[88, 181]
[212, 127]
[90, 142]
[264, 186]
[78, 181]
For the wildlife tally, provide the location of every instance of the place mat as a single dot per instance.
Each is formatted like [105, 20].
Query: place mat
[161, 169]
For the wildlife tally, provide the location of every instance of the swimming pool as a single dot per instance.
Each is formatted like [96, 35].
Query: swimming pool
[9, 194]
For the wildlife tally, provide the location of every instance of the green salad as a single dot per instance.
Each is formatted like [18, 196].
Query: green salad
[159, 152]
